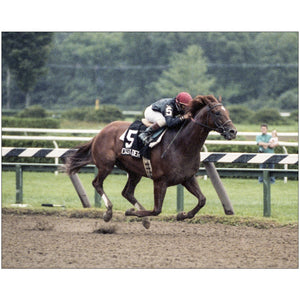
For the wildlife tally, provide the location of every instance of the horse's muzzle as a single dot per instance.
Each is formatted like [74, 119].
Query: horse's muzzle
[229, 133]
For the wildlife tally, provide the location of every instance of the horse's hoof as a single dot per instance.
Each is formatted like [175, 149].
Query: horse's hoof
[107, 216]
[181, 216]
[146, 223]
[129, 212]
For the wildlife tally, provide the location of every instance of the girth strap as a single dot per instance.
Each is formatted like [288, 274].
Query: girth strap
[147, 166]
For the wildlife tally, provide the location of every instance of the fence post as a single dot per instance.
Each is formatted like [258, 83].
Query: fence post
[218, 185]
[285, 165]
[97, 196]
[179, 198]
[80, 190]
[19, 184]
[267, 193]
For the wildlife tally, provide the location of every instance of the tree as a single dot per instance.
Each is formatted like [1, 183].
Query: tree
[231, 60]
[83, 67]
[187, 72]
[145, 55]
[126, 68]
[277, 53]
[289, 100]
[25, 54]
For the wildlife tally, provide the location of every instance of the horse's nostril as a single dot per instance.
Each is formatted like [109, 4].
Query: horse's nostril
[232, 131]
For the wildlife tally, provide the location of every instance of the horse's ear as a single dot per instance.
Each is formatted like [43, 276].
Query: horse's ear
[220, 99]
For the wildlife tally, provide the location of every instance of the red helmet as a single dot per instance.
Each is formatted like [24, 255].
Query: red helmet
[184, 98]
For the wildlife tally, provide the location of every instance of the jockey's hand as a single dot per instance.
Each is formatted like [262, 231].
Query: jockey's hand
[187, 116]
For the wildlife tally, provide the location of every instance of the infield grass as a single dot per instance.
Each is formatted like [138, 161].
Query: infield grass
[246, 195]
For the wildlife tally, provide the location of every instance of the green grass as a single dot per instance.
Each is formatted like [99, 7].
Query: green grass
[246, 195]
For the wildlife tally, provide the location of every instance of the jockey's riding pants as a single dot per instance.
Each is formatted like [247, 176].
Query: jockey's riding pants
[155, 116]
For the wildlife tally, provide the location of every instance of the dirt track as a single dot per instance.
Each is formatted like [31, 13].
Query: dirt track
[34, 241]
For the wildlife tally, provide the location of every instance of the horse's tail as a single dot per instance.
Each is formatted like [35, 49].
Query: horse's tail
[79, 159]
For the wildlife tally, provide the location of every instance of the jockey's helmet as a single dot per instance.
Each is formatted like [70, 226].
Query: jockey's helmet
[184, 98]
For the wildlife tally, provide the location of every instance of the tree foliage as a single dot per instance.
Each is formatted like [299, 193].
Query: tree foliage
[278, 54]
[132, 69]
[187, 72]
[25, 54]
[240, 114]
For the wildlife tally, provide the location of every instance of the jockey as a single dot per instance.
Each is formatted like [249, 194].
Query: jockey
[168, 112]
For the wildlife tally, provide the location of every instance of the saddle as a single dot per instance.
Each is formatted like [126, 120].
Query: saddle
[132, 145]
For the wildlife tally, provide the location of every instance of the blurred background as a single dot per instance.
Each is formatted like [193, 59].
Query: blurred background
[63, 70]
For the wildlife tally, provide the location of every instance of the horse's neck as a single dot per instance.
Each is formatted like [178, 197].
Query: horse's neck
[193, 137]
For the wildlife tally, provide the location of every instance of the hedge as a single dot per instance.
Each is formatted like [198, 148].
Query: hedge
[35, 111]
[105, 114]
[30, 122]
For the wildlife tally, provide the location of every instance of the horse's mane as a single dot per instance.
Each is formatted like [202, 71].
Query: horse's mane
[199, 102]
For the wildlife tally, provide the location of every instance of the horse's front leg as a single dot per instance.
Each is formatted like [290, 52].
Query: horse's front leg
[160, 188]
[193, 187]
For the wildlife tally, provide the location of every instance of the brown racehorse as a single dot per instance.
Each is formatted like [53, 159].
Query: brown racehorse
[178, 166]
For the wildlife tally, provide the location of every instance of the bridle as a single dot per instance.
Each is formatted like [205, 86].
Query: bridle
[219, 127]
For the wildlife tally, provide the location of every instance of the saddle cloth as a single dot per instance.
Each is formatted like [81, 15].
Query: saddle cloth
[132, 144]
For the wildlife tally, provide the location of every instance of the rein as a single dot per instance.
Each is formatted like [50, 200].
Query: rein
[163, 155]
[219, 128]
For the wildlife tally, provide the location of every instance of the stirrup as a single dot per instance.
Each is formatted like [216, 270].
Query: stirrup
[145, 138]
[148, 140]
[143, 135]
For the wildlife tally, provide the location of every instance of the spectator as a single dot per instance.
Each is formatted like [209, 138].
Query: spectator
[266, 144]
[274, 139]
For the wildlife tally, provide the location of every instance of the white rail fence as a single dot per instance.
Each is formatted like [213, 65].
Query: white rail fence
[93, 132]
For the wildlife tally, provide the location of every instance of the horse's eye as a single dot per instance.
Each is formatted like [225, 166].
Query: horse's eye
[218, 113]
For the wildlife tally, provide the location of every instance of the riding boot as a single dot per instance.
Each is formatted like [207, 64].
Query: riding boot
[146, 135]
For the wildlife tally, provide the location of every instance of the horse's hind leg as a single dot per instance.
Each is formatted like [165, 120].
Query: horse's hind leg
[193, 187]
[160, 188]
[128, 193]
[98, 185]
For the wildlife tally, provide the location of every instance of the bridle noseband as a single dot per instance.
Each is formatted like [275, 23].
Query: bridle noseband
[219, 127]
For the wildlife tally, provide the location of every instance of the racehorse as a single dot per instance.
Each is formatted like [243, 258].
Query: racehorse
[179, 165]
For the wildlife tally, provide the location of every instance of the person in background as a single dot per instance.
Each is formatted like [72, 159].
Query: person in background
[266, 144]
[274, 139]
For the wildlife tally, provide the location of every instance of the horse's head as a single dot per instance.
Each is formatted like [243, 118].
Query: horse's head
[210, 113]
